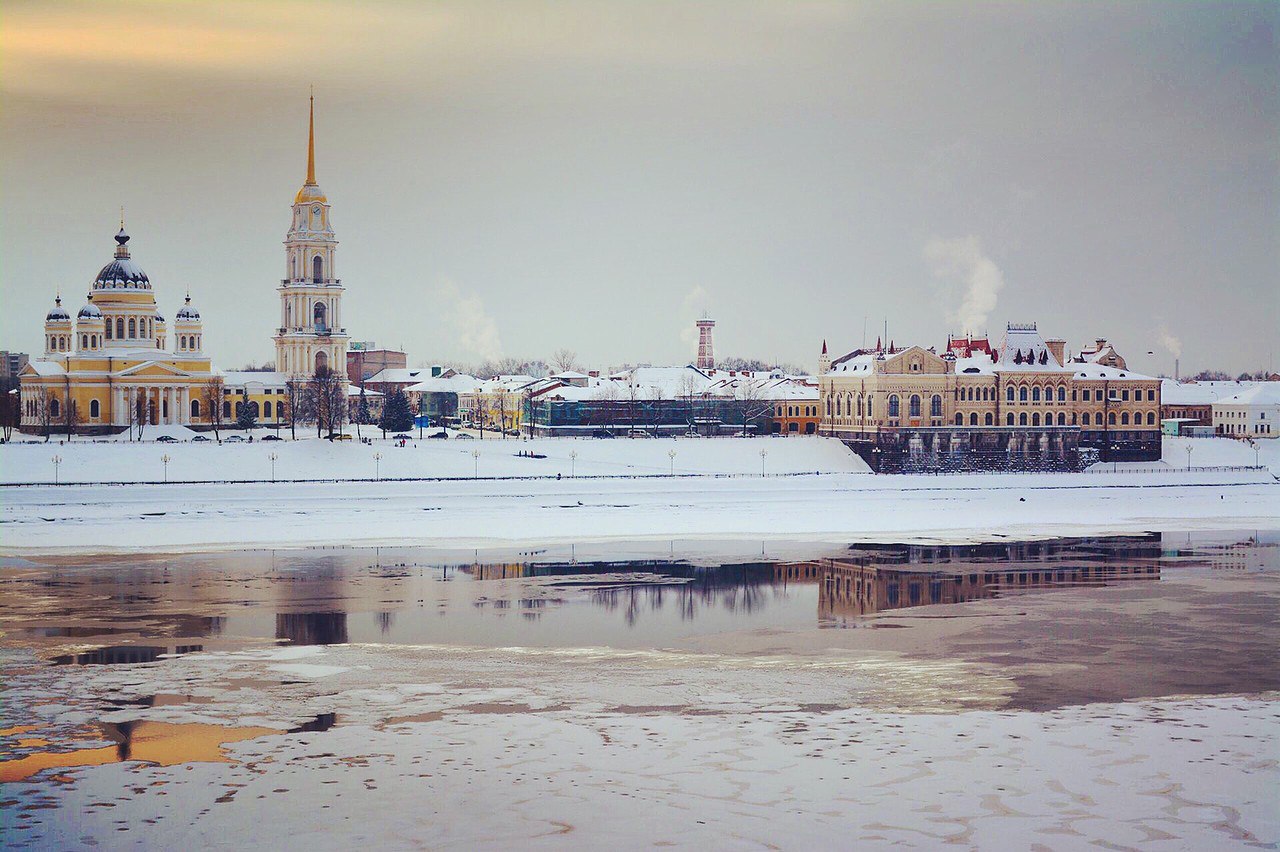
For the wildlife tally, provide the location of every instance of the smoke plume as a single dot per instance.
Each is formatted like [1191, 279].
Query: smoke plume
[1168, 341]
[467, 320]
[962, 261]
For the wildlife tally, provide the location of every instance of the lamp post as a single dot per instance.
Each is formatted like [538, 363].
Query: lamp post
[165, 458]
[573, 464]
[377, 466]
[1114, 465]
[57, 460]
[671, 454]
[1189, 456]
[763, 454]
[475, 457]
[272, 457]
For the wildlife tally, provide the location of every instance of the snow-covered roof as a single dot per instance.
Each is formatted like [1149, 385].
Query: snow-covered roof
[460, 383]
[1262, 393]
[1199, 393]
[858, 364]
[979, 364]
[1098, 371]
[354, 391]
[1024, 350]
[46, 368]
[399, 376]
[239, 378]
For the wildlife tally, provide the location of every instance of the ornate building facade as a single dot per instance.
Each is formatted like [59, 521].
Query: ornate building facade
[1021, 405]
[110, 367]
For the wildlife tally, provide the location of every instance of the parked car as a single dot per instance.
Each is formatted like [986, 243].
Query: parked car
[440, 434]
[464, 437]
[402, 437]
[166, 439]
[601, 433]
[638, 433]
[272, 438]
[338, 436]
[200, 439]
[235, 439]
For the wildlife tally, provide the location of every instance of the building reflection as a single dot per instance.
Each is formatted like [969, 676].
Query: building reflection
[312, 628]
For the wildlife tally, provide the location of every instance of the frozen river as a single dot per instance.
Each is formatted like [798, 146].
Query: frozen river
[769, 692]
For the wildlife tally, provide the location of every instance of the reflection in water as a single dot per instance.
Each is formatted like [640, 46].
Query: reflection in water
[158, 743]
[179, 604]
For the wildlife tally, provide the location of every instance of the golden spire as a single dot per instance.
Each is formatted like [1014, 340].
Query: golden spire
[311, 142]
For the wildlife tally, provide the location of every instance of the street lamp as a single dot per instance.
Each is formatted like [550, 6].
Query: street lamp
[165, 458]
[763, 454]
[475, 457]
[573, 463]
[1189, 448]
[273, 457]
[1114, 449]
[671, 454]
[377, 466]
[57, 460]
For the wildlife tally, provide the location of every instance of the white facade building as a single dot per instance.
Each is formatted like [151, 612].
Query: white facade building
[1252, 413]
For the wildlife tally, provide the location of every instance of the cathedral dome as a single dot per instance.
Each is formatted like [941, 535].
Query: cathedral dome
[89, 311]
[186, 313]
[58, 313]
[121, 271]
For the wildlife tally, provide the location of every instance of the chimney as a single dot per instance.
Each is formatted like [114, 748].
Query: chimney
[1058, 347]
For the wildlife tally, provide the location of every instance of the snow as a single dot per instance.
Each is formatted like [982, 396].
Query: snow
[1198, 393]
[1262, 393]
[308, 459]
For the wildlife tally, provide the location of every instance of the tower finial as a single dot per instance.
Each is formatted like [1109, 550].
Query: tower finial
[122, 217]
[311, 142]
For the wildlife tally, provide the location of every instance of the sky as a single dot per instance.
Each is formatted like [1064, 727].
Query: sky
[516, 178]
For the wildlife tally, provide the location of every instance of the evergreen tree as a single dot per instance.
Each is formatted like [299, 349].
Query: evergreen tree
[248, 416]
[396, 414]
[362, 413]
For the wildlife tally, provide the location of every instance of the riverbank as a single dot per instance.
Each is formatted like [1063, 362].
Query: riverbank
[840, 508]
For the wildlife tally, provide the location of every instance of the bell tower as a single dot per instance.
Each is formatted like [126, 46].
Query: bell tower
[310, 334]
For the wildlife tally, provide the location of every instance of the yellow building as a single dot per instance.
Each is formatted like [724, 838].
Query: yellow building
[110, 367]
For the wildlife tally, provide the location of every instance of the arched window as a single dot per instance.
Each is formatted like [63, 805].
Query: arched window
[959, 419]
[859, 405]
[1124, 419]
[1084, 419]
[1035, 394]
[195, 408]
[973, 419]
[120, 328]
[894, 409]
[839, 406]
[869, 406]
[1022, 394]
[935, 406]
[266, 408]
[226, 409]
[1151, 418]
[1009, 393]
[1022, 419]
[990, 419]
[133, 328]
[319, 313]
[1009, 418]
[1062, 393]
[84, 341]
[1111, 418]
[317, 269]
[1062, 418]
[54, 406]
[95, 409]
[914, 405]
[1035, 419]
[322, 361]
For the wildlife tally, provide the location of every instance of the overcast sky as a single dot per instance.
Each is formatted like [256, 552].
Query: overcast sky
[509, 179]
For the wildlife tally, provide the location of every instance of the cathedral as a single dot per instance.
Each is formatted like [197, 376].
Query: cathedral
[118, 363]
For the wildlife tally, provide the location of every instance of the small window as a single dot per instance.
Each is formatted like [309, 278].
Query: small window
[94, 409]
[1022, 394]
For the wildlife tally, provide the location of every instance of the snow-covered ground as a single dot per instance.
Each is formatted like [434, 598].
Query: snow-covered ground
[309, 459]
[839, 508]
[503, 748]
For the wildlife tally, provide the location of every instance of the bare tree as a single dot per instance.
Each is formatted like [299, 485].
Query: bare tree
[294, 393]
[213, 401]
[688, 392]
[139, 416]
[72, 417]
[43, 413]
[564, 360]
[328, 400]
[749, 396]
